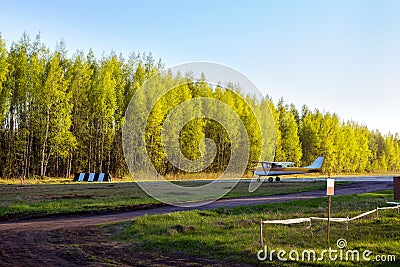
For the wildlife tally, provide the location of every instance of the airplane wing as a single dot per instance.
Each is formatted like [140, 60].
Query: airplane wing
[284, 164]
[287, 163]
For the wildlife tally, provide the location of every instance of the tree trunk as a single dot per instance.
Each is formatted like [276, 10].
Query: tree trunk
[47, 161]
[109, 161]
[28, 153]
[90, 150]
[101, 153]
[42, 164]
[69, 166]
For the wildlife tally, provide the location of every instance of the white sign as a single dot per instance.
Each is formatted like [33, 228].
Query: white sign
[330, 187]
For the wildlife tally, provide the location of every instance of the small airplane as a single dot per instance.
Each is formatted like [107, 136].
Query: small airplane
[283, 168]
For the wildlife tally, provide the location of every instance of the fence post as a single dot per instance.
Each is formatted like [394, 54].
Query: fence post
[377, 215]
[261, 234]
[329, 217]
[347, 223]
[311, 228]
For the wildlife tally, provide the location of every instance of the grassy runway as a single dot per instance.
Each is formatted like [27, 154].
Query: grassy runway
[232, 235]
[38, 200]
[219, 237]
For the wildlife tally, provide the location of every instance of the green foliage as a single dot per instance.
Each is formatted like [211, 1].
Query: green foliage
[60, 115]
[288, 128]
[309, 130]
[4, 65]
[56, 107]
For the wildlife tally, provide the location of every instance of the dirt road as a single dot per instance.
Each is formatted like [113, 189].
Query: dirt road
[75, 241]
[81, 221]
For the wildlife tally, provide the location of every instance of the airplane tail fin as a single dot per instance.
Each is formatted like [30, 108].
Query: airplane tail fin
[317, 164]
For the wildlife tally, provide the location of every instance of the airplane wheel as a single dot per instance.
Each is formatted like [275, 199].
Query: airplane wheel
[270, 179]
[277, 179]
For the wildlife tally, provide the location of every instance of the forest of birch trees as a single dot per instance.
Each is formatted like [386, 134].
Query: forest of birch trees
[62, 114]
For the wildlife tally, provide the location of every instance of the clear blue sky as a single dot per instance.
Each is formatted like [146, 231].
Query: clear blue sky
[338, 56]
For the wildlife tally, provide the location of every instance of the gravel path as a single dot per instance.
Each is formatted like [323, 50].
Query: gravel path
[80, 221]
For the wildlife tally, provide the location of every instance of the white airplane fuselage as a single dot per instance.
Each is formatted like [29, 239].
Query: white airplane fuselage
[281, 168]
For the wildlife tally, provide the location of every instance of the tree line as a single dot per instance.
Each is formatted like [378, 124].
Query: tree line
[347, 146]
[61, 115]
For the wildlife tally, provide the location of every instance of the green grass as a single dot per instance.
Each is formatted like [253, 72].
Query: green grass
[267, 189]
[187, 177]
[37, 200]
[232, 235]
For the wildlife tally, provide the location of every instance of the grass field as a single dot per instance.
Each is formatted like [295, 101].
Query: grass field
[36, 200]
[189, 177]
[232, 235]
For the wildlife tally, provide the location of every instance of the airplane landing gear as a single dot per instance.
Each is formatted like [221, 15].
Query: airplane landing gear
[277, 179]
[270, 179]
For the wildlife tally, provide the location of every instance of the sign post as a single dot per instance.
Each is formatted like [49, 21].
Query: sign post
[330, 191]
